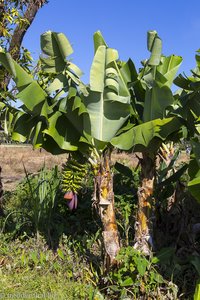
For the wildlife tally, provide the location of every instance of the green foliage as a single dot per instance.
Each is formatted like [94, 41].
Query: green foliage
[197, 291]
[181, 270]
[56, 47]
[189, 109]
[126, 181]
[51, 119]
[11, 15]
[136, 276]
[129, 109]
[42, 193]
[169, 174]
[194, 170]
[108, 102]
[55, 67]
[37, 205]
[147, 135]
[33, 205]
[13, 23]
[152, 101]
[62, 105]
[23, 121]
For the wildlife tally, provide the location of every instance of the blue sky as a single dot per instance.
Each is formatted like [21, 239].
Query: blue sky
[124, 25]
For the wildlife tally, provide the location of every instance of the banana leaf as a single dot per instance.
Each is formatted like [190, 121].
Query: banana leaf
[194, 170]
[56, 47]
[108, 102]
[157, 100]
[154, 45]
[168, 68]
[30, 92]
[141, 136]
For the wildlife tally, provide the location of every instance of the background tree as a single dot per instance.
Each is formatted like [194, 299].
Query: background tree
[16, 16]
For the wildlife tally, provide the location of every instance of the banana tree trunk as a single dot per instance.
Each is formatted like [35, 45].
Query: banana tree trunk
[104, 198]
[144, 220]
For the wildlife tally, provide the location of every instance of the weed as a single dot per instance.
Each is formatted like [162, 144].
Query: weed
[137, 277]
[28, 265]
[32, 206]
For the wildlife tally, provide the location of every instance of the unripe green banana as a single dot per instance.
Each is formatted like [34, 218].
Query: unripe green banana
[73, 175]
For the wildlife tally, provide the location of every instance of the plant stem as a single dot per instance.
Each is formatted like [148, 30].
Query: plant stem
[104, 196]
[144, 223]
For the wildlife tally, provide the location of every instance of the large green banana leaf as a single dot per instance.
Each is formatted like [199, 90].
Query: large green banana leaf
[66, 123]
[22, 126]
[56, 138]
[58, 130]
[158, 78]
[152, 97]
[27, 123]
[190, 111]
[194, 170]
[30, 92]
[43, 120]
[164, 73]
[154, 45]
[98, 40]
[157, 100]
[56, 48]
[194, 186]
[63, 125]
[189, 104]
[167, 69]
[162, 69]
[190, 83]
[184, 82]
[147, 134]
[108, 102]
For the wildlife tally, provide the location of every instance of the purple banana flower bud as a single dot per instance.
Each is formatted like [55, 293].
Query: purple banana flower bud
[68, 195]
[72, 200]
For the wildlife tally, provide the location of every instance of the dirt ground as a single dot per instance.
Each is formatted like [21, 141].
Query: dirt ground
[13, 159]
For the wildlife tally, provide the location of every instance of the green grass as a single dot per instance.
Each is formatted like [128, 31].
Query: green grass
[28, 267]
[47, 286]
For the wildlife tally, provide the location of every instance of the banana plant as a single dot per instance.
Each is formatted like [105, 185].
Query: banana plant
[189, 108]
[108, 106]
[61, 114]
[153, 121]
[43, 111]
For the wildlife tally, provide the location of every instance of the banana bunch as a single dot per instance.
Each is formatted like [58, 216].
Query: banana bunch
[73, 175]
